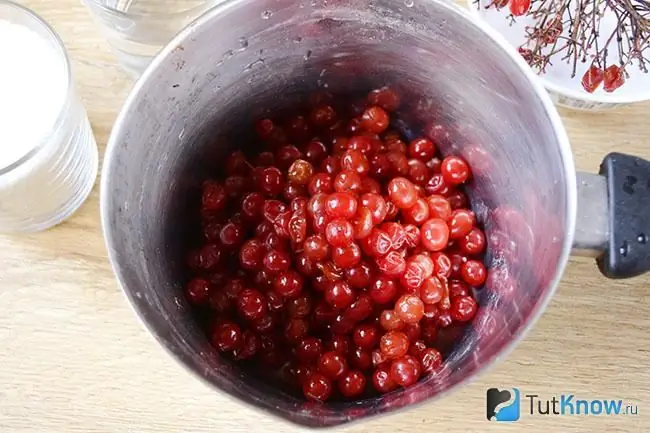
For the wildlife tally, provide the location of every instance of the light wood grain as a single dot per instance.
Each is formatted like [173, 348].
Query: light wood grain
[73, 358]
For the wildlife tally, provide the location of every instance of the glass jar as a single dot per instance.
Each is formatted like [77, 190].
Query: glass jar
[46, 175]
[137, 29]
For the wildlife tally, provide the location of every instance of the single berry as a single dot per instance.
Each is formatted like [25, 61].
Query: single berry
[276, 261]
[430, 359]
[270, 181]
[418, 213]
[402, 193]
[360, 143]
[251, 304]
[385, 98]
[409, 308]
[347, 181]
[463, 308]
[339, 295]
[197, 291]
[317, 388]
[413, 277]
[359, 276]
[341, 205]
[366, 336]
[316, 248]
[383, 380]
[332, 365]
[425, 262]
[431, 291]
[299, 306]
[213, 197]
[297, 228]
[356, 162]
[339, 232]
[346, 256]
[227, 337]
[379, 243]
[231, 235]
[300, 172]
[252, 205]
[382, 289]
[360, 309]
[360, 358]
[436, 185]
[412, 236]
[390, 321]
[406, 370]
[375, 119]
[441, 265]
[473, 273]
[322, 116]
[317, 204]
[418, 172]
[249, 348]
[394, 344]
[474, 242]
[435, 234]
[461, 223]
[392, 264]
[296, 330]
[458, 288]
[331, 165]
[592, 79]
[340, 344]
[362, 223]
[320, 183]
[519, 7]
[614, 77]
[422, 149]
[455, 170]
[352, 383]
[251, 255]
[288, 284]
[439, 207]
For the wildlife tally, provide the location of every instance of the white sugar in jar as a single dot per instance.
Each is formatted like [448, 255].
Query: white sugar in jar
[48, 155]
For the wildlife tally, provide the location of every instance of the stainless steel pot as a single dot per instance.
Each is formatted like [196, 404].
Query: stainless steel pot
[461, 85]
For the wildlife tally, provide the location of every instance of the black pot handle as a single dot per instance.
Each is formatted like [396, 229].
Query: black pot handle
[627, 250]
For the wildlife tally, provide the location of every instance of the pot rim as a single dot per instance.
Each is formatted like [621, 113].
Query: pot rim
[206, 19]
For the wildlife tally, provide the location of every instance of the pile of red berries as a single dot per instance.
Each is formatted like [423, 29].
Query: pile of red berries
[334, 261]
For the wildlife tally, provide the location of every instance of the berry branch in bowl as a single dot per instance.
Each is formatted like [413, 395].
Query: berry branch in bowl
[573, 31]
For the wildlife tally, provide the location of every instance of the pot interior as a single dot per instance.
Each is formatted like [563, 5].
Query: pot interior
[252, 59]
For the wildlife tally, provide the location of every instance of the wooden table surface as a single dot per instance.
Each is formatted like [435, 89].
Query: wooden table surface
[73, 358]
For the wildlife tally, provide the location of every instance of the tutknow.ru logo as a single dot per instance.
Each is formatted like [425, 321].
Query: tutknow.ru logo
[507, 405]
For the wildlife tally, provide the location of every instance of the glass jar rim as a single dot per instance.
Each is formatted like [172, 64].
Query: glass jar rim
[102, 5]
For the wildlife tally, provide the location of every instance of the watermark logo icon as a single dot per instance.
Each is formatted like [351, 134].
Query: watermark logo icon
[502, 405]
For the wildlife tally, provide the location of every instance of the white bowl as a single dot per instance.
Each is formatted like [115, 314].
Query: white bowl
[564, 90]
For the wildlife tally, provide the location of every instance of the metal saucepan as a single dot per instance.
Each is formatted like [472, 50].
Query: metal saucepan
[461, 85]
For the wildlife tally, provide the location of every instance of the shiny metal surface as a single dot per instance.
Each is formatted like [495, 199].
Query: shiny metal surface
[592, 220]
[248, 58]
